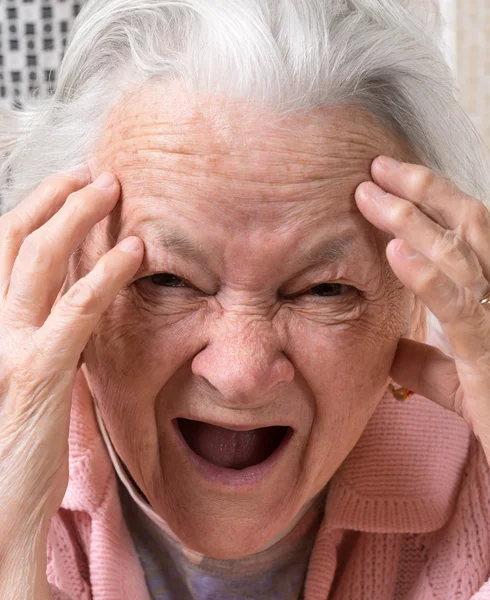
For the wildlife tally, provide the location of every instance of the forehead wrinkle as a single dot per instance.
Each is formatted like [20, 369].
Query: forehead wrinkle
[232, 195]
[341, 144]
[329, 250]
[220, 137]
[262, 205]
[220, 121]
[147, 166]
[262, 160]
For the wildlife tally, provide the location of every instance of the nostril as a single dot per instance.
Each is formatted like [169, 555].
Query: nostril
[242, 374]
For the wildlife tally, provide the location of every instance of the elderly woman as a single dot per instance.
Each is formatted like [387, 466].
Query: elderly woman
[236, 236]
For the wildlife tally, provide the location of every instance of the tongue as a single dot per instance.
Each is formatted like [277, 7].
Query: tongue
[231, 449]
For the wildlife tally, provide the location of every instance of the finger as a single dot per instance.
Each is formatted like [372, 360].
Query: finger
[442, 201]
[427, 371]
[436, 196]
[466, 323]
[446, 249]
[72, 321]
[42, 262]
[37, 208]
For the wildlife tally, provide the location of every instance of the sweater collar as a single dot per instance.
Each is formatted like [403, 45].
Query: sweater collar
[402, 476]
[404, 473]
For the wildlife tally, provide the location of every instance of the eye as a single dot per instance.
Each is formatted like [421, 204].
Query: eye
[167, 280]
[331, 289]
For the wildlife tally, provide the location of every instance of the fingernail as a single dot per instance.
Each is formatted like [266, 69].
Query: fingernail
[373, 190]
[104, 181]
[131, 244]
[406, 250]
[389, 163]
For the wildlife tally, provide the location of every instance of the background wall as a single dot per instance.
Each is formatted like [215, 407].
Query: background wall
[471, 27]
[33, 32]
[32, 40]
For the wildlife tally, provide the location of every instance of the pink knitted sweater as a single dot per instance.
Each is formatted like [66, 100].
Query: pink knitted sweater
[408, 510]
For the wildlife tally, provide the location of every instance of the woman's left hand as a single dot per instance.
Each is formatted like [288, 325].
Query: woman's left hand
[441, 252]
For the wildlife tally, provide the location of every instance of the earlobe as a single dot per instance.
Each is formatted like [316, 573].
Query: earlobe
[81, 361]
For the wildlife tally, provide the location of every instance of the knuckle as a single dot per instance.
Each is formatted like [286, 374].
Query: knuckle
[34, 243]
[403, 213]
[423, 179]
[18, 359]
[465, 307]
[451, 248]
[11, 229]
[433, 281]
[480, 212]
[37, 249]
[476, 225]
[51, 187]
[76, 203]
[83, 296]
[79, 204]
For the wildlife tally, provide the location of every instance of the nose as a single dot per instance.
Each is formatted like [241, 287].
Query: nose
[243, 361]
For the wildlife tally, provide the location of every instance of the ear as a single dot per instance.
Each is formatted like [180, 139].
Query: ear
[418, 326]
[81, 361]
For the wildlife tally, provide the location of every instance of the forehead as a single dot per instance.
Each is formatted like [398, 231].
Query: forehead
[164, 118]
[238, 158]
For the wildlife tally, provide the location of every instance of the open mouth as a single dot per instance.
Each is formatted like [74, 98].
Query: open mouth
[229, 448]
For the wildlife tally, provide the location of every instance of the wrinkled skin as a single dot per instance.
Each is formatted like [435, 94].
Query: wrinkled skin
[242, 339]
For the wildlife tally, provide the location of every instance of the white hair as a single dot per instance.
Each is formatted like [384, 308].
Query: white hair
[293, 54]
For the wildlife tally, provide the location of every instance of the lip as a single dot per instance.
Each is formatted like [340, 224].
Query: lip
[243, 478]
[235, 427]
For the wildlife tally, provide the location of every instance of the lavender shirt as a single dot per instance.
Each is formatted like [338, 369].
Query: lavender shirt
[278, 572]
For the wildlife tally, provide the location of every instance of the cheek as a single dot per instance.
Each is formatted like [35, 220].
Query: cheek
[139, 346]
[130, 357]
[346, 343]
[346, 366]
[344, 371]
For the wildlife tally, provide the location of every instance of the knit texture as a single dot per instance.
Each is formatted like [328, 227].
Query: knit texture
[407, 515]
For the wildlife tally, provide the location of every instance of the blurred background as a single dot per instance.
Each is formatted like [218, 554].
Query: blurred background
[33, 37]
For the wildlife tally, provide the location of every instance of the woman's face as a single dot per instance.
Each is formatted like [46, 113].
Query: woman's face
[278, 307]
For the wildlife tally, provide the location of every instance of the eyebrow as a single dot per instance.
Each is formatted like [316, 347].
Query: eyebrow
[173, 240]
[327, 251]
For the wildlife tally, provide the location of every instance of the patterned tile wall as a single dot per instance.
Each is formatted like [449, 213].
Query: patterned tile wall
[33, 35]
[32, 40]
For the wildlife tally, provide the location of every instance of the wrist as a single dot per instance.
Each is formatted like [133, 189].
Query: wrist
[23, 558]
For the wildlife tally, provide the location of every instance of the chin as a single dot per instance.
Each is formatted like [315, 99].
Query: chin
[225, 542]
[227, 527]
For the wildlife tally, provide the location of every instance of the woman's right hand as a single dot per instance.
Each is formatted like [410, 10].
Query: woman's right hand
[42, 335]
